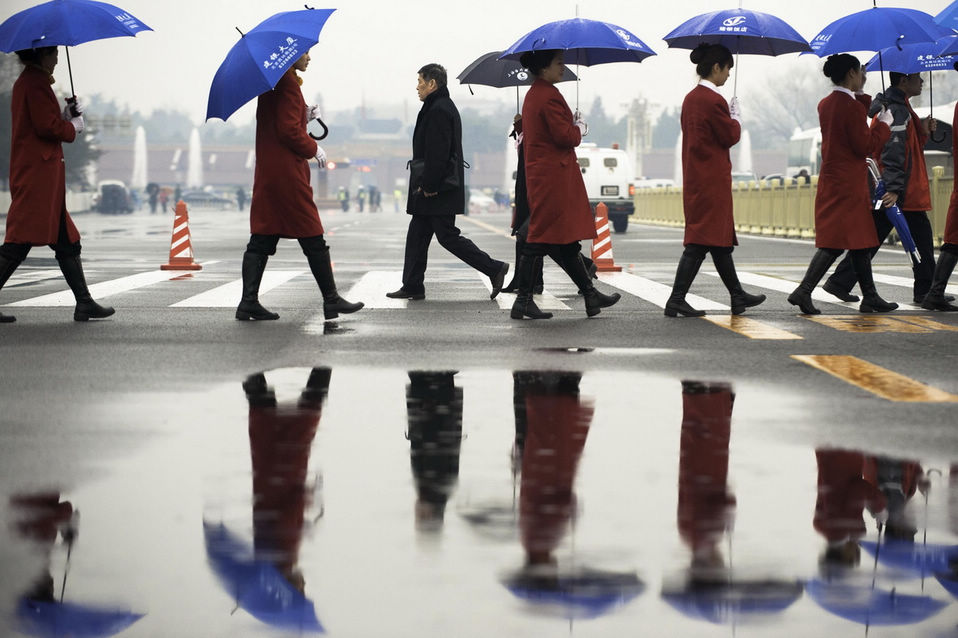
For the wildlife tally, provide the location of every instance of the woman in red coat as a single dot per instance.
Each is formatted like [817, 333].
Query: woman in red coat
[843, 220]
[948, 257]
[709, 130]
[38, 213]
[282, 203]
[559, 211]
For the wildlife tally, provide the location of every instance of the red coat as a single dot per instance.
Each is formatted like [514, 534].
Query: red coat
[842, 495]
[951, 223]
[282, 202]
[37, 174]
[558, 204]
[708, 132]
[842, 203]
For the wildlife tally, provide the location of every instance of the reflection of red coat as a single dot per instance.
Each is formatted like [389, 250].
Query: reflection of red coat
[704, 502]
[37, 175]
[558, 203]
[842, 495]
[557, 427]
[842, 203]
[708, 132]
[951, 222]
[282, 202]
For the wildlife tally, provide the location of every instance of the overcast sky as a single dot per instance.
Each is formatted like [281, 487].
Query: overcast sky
[371, 49]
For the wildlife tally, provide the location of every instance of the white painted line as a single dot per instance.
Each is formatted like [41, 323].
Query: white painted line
[372, 287]
[653, 291]
[30, 276]
[228, 295]
[102, 289]
[545, 301]
[907, 282]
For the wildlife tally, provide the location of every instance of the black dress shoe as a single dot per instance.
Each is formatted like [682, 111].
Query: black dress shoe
[402, 293]
[835, 291]
[498, 279]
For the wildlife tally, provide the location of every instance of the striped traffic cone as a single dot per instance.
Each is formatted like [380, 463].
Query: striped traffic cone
[181, 249]
[602, 244]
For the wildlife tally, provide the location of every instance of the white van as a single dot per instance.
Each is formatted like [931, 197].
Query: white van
[607, 173]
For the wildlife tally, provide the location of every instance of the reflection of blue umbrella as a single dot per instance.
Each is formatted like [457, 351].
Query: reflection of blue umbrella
[870, 606]
[723, 602]
[257, 585]
[949, 580]
[67, 23]
[586, 593]
[925, 558]
[893, 213]
[256, 63]
[585, 42]
[55, 619]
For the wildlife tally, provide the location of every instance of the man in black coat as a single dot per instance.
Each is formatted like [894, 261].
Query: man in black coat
[437, 194]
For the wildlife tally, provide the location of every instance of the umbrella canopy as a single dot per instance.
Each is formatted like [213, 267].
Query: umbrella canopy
[257, 585]
[949, 580]
[876, 29]
[489, 70]
[66, 22]
[919, 57]
[256, 63]
[55, 620]
[740, 31]
[948, 17]
[585, 42]
[923, 558]
[870, 606]
[584, 593]
[725, 602]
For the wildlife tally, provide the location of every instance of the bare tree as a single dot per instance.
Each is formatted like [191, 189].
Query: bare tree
[788, 100]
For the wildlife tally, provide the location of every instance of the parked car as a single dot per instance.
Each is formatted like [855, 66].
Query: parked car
[113, 198]
[607, 174]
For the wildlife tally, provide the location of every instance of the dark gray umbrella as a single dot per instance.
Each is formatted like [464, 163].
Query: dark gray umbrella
[488, 70]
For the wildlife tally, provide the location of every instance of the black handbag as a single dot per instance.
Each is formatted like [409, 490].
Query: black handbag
[450, 183]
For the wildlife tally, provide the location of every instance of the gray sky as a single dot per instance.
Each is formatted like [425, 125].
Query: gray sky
[371, 49]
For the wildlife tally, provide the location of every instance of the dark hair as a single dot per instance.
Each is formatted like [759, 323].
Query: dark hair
[536, 61]
[895, 77]
[33, 56]
[433, 71]
[837, 67]
[706, 55]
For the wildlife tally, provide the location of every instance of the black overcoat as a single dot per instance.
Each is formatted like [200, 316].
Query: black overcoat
[437, 139]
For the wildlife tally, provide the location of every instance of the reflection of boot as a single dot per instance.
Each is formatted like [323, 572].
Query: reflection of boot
[317, 388]
[684, 275]
[322, 270]
[935, 299]
[822, 260]
[257, 392]
[871, 302]
[249, 307]
[86, 308]
[726, 270]
[524, 306]
[7, 266]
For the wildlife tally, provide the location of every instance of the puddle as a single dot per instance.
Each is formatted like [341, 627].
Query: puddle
[371, 502]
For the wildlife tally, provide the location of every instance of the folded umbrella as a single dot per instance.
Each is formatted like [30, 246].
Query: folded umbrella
[893, 213]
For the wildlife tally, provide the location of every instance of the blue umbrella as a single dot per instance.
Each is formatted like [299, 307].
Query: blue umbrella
[869, 606]
[55, 620]
[257, 585]
[893, 213]
[948, 17]
[876, 29]
[724, 602]
[919, 57]
[924, 558]
[585, 42]
[949, 580]
[67, 23]
[256, 63]
[585, 593]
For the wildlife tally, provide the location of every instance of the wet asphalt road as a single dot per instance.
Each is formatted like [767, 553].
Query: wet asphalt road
[141, 423]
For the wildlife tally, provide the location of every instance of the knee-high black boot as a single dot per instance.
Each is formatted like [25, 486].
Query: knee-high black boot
[86, 308]
[322, 270]
[249, 307]
[7, 266]
[936, 299]
[726, 270]
[513, 286]
[579, 273]
[822, 260]
[684, 275]
[871, 302]
[524, 305]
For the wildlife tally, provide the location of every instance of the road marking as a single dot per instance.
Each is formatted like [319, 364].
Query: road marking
[102, 289]
[228, 295]
[869, 324]
[372, 287]
[31, 276]
[653, 291]
[875, 379]
[750, 327]
[906, 282]
[928, 323]
[488, 227]
[545, 301]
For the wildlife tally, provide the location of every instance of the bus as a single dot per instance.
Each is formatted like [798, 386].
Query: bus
[804, 152]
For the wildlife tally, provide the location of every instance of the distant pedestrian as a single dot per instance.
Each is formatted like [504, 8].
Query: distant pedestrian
[361, 198]
[559, 212]
[842, 202]
[153, 190]
[241, 198]
[948, 257]
[38, 214]
[282, 203]
[164, 197]
[710, 127]
[437, 193]
[343, 196]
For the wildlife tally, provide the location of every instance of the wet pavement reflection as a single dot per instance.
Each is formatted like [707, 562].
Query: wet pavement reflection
[307, 501]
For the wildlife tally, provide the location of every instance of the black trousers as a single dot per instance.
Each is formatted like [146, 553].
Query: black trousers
[561, 253]
[266, 245]
[63, 246]
[420, 233]
[920, 227]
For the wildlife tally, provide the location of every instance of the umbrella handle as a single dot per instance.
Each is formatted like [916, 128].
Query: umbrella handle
[935, 139]
[325, 131]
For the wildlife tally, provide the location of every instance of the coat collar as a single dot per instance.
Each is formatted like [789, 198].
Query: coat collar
[442, 91]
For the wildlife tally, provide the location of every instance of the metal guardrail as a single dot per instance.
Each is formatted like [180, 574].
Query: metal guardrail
[774, 209]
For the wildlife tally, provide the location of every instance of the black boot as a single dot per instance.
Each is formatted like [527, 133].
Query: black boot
[834, 289]
[684, 275]
[7, 266]
[871, 302]
[594, 300]
[726, 270]
[936, 298]
[822, 260]
[86, 308]
[524, 306]
[322, 270]
[249, 307]
[513, 286]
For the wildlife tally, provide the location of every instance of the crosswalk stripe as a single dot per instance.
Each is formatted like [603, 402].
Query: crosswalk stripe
[653, 291]
[228, 295]
[30, 276]
[102, 289]
[372, 287]
[751, 328]
[875, 379]
[907, 282]
[545, 301]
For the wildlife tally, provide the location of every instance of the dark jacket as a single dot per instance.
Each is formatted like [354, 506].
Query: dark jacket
[437, 139]
[896, 160]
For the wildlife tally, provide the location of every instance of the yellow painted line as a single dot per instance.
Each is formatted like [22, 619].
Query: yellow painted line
[875, 379]
[870, 324]
[750, 327]
[488, 227]
[925, 322]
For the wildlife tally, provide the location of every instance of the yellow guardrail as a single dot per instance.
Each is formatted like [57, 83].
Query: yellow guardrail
[772, 209]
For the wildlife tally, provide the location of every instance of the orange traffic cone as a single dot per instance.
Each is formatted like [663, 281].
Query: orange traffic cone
[181, 249]
[602, 244]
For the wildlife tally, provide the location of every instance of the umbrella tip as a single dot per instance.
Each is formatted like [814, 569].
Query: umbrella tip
[242, 35]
